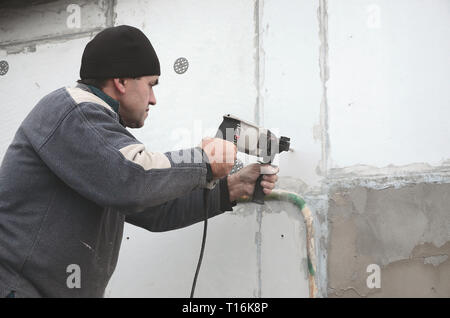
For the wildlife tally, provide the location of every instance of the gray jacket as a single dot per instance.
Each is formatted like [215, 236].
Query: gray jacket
[70, 179]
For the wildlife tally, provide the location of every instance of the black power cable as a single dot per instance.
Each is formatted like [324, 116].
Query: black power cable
[238, 165]
[202, 250]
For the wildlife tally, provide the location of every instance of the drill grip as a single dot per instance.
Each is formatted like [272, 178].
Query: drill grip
[258, 194]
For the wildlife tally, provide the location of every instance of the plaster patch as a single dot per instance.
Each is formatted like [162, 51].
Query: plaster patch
[435, 260]
[404, 231]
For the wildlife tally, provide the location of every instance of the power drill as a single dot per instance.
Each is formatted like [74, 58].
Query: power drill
[255, 141]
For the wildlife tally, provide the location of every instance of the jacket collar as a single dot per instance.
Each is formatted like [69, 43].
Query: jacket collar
[108, 99]
[105, 97]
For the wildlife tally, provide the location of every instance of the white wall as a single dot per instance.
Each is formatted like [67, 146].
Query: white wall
[292, 89]
[388, 89]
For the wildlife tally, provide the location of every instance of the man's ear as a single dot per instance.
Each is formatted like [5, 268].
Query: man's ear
[119, 84]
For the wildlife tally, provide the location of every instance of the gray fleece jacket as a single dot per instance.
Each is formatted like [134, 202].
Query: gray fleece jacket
[70, 179]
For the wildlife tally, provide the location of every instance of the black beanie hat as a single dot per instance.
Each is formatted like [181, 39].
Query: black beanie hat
[121, 51]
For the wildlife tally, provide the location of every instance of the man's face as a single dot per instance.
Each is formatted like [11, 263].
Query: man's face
[135, 102]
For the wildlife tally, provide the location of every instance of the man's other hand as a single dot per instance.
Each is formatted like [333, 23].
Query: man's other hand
[242, 183]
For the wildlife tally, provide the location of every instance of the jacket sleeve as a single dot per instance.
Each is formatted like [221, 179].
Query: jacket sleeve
[183, 211]
[97, 157]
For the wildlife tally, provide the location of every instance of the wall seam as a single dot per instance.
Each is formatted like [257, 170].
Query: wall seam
[321, 250]
[259, 63]
[111, 13]
[322, 14]
[258, 119]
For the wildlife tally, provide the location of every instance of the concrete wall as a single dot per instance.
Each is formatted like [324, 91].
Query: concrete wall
[357, 85]
[404, 231]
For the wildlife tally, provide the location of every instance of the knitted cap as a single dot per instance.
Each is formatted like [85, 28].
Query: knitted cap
[121, 51]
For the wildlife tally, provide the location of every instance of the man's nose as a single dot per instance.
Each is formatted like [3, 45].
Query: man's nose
[152, 98]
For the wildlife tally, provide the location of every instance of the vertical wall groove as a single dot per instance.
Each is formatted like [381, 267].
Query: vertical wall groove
[322, 15]
[258, 119]
[111, 13]
[259, 63]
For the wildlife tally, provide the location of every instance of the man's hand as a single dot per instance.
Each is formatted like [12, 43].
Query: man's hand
[242, 183]
[221, 155]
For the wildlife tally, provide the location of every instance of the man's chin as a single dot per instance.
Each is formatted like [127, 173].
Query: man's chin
[136, 125]
[141, 124]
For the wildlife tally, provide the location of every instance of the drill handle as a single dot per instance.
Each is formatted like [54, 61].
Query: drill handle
[258, 194]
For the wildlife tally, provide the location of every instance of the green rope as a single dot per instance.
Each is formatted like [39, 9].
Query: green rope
[310, 268]
[281, 196]
[297, 200]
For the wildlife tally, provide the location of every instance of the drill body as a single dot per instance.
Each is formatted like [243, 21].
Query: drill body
[255, 141]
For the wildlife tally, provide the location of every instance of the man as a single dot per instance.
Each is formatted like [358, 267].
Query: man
[74, 174]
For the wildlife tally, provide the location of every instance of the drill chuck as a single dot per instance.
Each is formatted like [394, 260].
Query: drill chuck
[285, 144]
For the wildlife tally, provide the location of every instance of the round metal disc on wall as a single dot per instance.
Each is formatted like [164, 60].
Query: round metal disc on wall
[181, 65]
[4, 67]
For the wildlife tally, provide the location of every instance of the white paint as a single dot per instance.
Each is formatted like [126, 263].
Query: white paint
[388, 91]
